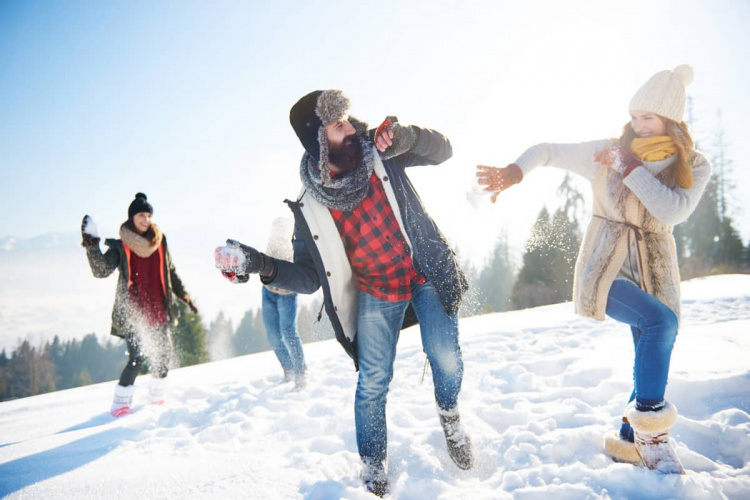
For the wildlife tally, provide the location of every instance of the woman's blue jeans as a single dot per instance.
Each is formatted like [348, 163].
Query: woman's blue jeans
[378, 328]
[280, 320]
[654, 329]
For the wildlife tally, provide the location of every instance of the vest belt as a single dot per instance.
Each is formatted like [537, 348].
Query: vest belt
[637, 233]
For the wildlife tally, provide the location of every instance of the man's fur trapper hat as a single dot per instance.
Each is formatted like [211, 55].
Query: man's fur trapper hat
[309, 116]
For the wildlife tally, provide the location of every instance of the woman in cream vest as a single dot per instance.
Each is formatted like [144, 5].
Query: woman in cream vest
[643, 183]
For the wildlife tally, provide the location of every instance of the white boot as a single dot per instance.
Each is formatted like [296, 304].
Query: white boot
[122, 403]
[651, 429]
[621, 450]
[156, 389]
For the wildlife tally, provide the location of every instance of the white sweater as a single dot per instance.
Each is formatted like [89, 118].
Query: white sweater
[669, 205]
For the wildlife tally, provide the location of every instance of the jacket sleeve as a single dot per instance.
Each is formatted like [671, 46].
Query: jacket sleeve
[102, 265]
[177, 287]
[431, 148]
[577, 158]
[299, 276]
[669, 205]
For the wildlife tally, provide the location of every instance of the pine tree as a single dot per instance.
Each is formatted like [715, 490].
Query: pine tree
[220, 338]
[472, 301]
[531, 288]
[546, 276]
[729, 245]
[250, 335]
[712, 244]
[190, 338]
[496, 280]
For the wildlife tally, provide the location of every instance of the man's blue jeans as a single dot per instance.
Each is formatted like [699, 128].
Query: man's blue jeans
[654, 329]
[378, 328]
[280, 320]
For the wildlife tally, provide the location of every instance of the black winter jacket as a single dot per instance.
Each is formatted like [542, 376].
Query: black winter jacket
[103, 265]
[320, 258]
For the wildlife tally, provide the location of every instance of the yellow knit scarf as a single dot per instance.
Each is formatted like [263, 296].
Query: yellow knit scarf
[654, 148]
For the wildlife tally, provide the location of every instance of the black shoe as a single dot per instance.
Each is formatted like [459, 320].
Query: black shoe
[458, 442]
[374, 477]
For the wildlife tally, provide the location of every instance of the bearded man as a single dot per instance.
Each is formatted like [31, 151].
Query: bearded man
[362, 233]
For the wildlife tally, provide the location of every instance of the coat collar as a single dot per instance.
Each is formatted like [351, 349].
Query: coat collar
[141, 246]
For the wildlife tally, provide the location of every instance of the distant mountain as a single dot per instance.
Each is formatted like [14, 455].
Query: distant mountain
[43, 242]
[7, 243]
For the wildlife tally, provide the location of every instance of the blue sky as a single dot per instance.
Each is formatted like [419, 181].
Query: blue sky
[188, 101]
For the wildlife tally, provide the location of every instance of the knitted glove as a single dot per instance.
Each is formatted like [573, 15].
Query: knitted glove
[498, 179]
[392, 139]
[88, 232]
[237, 261]
[619, 159]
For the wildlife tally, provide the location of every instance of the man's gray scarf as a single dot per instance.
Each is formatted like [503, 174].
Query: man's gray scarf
[344, 193]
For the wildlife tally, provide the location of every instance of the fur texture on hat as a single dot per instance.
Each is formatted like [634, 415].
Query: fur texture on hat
[333, 106]
[664, 93]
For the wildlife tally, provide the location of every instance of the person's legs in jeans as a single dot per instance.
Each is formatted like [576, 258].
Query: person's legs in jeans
[440, 342]
[271, 320]
[287, 311]
[379, 324]
[626, 431]
[654, 327]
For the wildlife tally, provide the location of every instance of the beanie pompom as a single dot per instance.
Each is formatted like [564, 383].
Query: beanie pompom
[685, 73]
[138, 205]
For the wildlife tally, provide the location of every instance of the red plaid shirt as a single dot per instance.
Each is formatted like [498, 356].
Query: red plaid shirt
[376, 247]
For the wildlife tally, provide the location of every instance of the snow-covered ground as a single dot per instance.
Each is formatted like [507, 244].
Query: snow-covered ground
[541, 387]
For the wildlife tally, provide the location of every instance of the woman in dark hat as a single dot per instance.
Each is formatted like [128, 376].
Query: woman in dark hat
[144, 306]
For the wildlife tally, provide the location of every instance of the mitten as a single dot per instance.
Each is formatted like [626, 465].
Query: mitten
[89, 234]
[403, 140]
[237, 261]
[618, 159]
[497, 179]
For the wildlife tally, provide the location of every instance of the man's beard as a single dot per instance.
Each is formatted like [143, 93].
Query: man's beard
[347, 155]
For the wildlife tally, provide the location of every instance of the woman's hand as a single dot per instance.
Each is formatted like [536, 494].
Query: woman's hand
[497, 179]
[618, 159]
[89, 232]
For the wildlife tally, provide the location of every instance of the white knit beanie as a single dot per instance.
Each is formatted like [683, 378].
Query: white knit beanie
[664, 93]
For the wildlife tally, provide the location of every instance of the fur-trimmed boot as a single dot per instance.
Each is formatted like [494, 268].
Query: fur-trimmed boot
[458, 442]
[122, 403]
[651, 432]
[156, 389]
[374, 476]
[619, 447]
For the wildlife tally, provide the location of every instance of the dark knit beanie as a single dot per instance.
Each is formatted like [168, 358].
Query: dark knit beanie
[139, 205]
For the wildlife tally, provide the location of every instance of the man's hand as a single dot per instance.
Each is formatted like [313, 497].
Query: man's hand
[237, 261]
[392, 139]
[618, 159]
[497, 179]
[89, 234]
